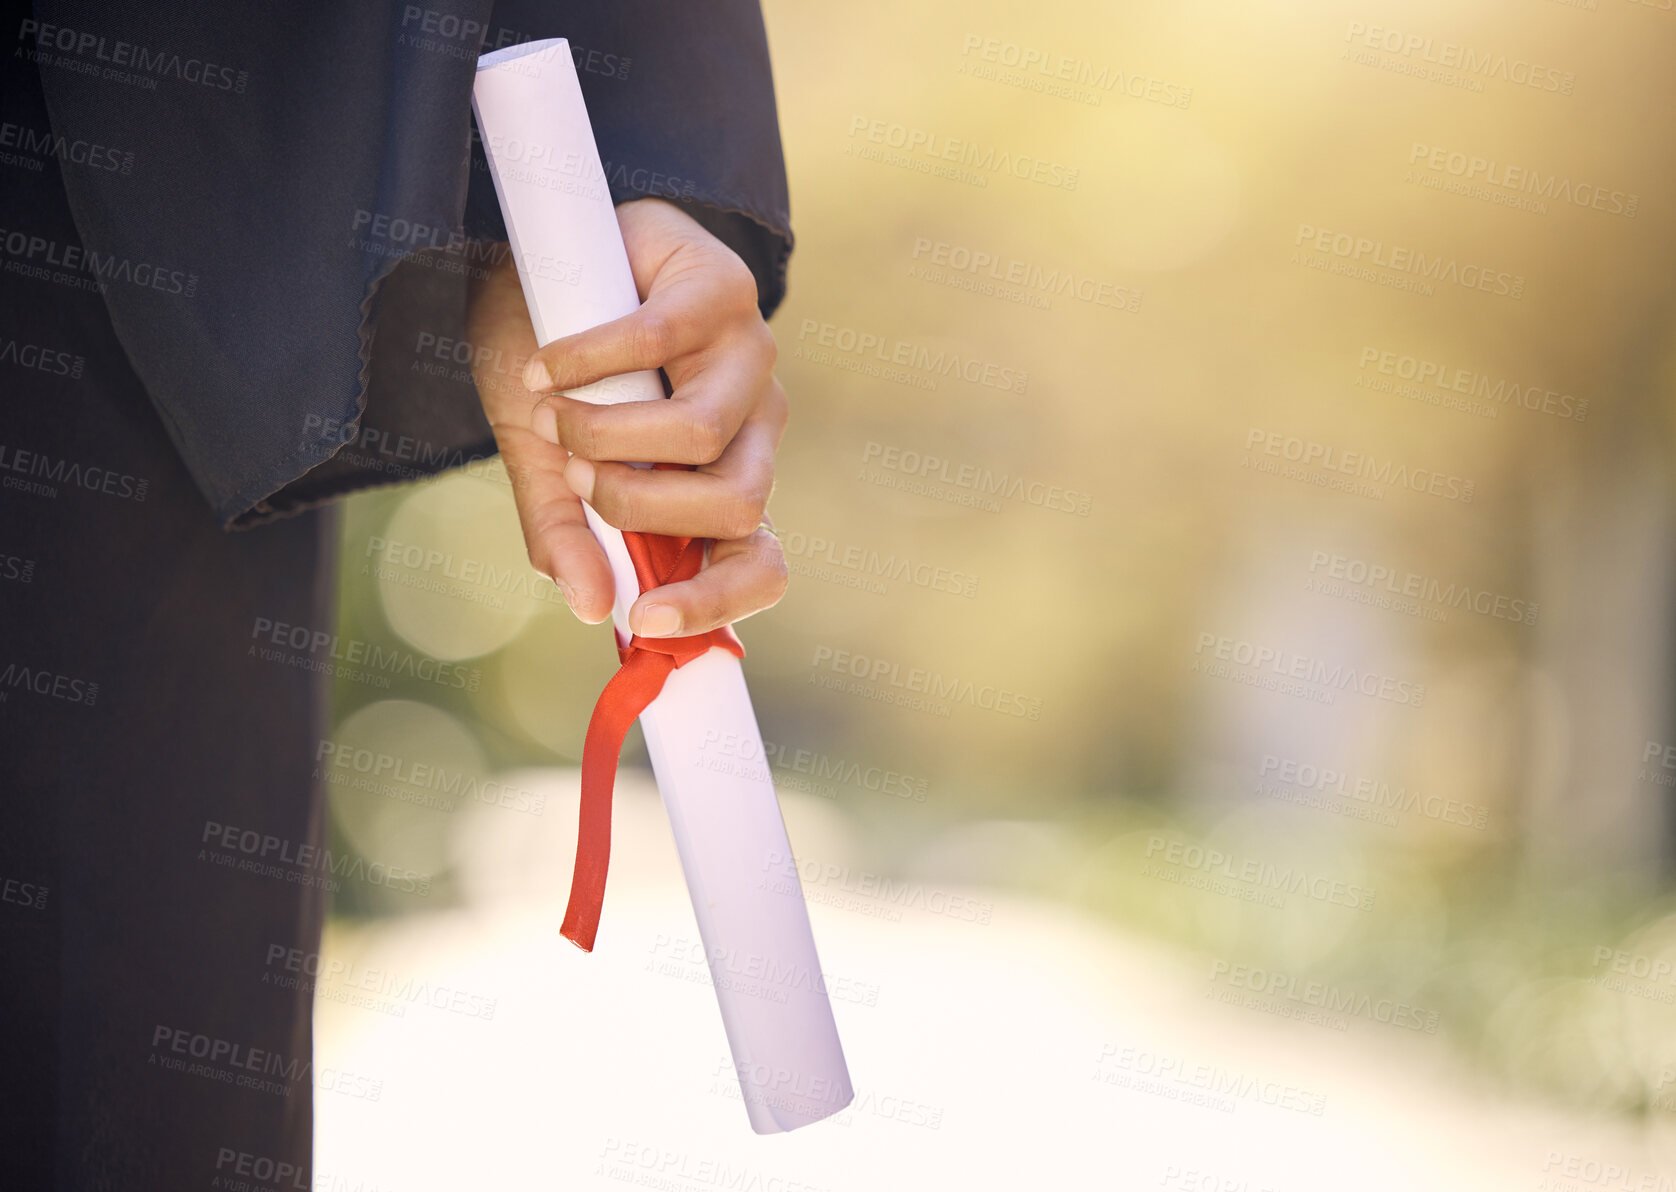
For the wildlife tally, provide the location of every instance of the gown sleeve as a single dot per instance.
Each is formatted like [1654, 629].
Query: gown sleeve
[300, 202]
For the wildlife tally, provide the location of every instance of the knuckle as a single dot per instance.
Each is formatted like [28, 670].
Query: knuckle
[769, 346]
[620, 500]
[518, 474]
[739, 284]
[654, 339]
[619, 504]
[714, 609]
[777, 405]
[579, 433]
[741, 515]
[568, 366]
[709, 436]
[773, 560]
[541, 544]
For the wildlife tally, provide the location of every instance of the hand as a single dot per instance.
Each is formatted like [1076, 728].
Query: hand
[700, 324]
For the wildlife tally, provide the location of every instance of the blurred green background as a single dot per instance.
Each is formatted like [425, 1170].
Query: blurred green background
[1186, 358]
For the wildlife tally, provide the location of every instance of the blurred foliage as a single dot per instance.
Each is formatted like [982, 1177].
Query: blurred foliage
[1198, 210]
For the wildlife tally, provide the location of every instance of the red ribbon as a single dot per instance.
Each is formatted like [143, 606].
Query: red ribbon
[658, 559]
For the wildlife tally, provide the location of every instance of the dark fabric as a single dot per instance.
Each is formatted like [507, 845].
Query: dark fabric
[286, 159]
[202, 282]
[132, 716]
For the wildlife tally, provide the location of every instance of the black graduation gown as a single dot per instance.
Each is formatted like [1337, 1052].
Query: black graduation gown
[224, 235]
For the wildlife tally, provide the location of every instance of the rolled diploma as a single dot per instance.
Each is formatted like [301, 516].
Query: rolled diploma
[701, 732]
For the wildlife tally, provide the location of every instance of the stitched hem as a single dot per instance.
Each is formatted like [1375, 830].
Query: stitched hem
[255, 507]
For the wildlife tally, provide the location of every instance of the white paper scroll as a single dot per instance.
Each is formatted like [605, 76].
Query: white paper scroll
[701, 731]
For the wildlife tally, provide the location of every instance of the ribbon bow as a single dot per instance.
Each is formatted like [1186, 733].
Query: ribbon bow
[647, 662]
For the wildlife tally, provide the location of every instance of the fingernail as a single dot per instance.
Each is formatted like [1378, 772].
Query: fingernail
[545, 423]
[660, 620]
[536, 376]
[579, 474]
[565, 591]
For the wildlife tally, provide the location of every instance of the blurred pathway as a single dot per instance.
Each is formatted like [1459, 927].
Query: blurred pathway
[1039, 1050]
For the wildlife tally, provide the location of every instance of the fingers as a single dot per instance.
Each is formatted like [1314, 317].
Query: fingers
[744, 576]
[701, 325]
[723, 500]
[701, 292]
[642, 340]
[556, 532]
[710, 403]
